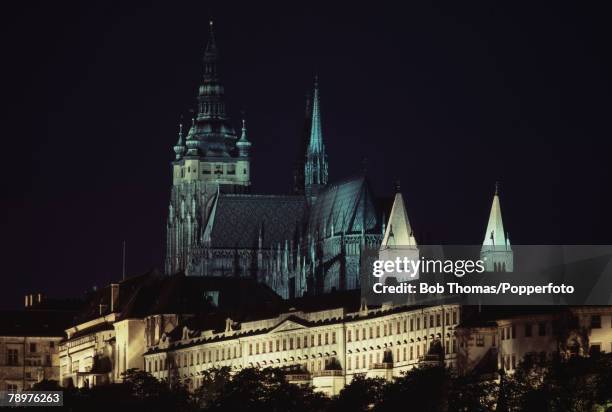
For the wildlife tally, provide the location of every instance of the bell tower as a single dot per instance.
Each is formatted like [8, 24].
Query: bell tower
[209, 160]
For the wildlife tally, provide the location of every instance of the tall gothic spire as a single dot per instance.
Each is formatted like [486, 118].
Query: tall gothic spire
[315, 170]
[495, 234]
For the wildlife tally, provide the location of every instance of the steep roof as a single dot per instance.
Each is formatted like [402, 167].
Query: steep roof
[495, 235]
[347, 205]
[182, 294]
[398, 232]
[238, 219]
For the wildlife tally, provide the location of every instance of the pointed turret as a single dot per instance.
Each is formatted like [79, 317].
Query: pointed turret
[315, 170]
[496, 251]
[243, 143]
[398, 232]
[495, 234]
[179, 147]
[399, 241]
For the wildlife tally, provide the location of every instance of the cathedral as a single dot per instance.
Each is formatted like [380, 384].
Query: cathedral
[308, 242]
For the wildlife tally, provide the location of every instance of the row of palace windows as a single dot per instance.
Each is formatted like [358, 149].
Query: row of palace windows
[235, 351]
[407, 354]
[388, 327]
[291, 343]
[188, 359]
[509, 332]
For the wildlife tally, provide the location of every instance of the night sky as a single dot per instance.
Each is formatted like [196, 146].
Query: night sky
[448, 99]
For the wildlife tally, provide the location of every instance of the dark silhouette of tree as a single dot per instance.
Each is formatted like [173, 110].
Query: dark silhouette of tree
[265, 390]
[360, 395]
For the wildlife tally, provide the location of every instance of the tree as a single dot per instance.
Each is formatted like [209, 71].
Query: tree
[427, 388]
[253, 389]
[359, 395]
[213, 381]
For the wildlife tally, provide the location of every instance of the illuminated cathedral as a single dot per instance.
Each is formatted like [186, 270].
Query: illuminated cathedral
[311, 241]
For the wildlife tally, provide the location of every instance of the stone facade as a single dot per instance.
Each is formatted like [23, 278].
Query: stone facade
[26, 360]
[324, 348]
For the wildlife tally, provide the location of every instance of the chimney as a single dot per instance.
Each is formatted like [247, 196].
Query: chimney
[114, 296]
[27, 301]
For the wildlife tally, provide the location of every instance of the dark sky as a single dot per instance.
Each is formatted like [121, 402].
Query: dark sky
[447, 98]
